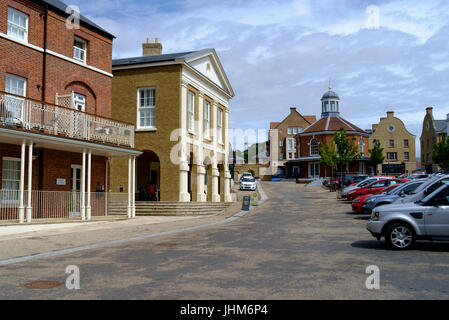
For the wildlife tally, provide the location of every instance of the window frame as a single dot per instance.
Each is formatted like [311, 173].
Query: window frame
[81, 40]
[152, 108]
[207, 110]
[220, 125]
[27, 21]
[13, 201]
[310, 150]
[82, 103]
[191, 111]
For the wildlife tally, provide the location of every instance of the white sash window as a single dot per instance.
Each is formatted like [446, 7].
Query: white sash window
[147, 108]
[17, 24]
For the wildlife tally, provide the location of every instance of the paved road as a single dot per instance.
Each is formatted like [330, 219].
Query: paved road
[301, 244]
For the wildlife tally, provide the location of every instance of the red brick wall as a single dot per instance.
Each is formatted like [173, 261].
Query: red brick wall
[62, 76]
[303, 143]
[57, 164]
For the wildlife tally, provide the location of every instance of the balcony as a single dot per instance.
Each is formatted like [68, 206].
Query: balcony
[41, 117]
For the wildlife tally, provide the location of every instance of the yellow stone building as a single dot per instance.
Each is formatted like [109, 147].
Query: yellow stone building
[179, 104]
[398, 144]
[432, 132]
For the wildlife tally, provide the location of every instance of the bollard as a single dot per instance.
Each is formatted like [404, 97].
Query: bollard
[246, 202]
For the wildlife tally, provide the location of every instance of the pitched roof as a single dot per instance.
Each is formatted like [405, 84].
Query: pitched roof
[159, 58]
[440, 125]
[62, 7]
[332, 123]
[273, 125]
[311, 119]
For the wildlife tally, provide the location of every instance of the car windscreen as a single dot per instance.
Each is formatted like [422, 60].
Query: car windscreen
[248, 180]
[366, 182]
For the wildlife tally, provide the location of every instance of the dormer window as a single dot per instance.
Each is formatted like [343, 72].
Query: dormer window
[79, 49]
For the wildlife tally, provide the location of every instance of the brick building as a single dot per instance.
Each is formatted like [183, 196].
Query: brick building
[179, 104]
[307, 163]
[432, 132]
[282, 141]
[398, 144]
[56, 135]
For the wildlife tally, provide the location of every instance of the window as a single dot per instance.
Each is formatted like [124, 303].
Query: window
[361, 146]
[392, 156]
[313, 147]
[332, 106]
[220, 125]
[392, 143]
[281, 156]
[289, 130]
[14, 105]
[10, 180]
[207, 119]
[290, 144]
[281, 143]
[79, 49]
[17, 24]
[406, 143]
[80, 102]
[295, 130]
[406, 156]
[147, 108]
[191, 111]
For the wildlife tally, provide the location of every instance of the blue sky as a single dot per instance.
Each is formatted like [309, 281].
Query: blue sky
[282, 54]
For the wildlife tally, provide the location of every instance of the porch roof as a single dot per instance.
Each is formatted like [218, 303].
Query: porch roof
[16, 136]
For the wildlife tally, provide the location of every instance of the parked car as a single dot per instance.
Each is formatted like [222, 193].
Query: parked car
[357, 203]
[246, 175]
[374, 187]
[362, 184]
[401, 225]
[424, 190]
[248, 183]
[391, 195]
[413, 176]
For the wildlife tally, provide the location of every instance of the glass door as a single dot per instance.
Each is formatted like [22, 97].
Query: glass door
[75, 187]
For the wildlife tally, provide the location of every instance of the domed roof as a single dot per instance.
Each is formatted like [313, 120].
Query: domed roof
[330, 94]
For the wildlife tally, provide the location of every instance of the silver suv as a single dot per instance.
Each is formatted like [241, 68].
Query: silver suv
[424, 190]
[402, 224]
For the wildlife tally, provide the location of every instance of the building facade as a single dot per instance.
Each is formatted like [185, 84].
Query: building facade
[398, 145]
[56, 134]
[283, 142]
[307, 164]
[179, 104]
[432, 132]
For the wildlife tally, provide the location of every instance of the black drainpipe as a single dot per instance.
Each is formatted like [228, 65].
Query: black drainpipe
[44, 80]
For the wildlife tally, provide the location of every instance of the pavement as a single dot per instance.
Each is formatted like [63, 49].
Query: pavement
[301, 243]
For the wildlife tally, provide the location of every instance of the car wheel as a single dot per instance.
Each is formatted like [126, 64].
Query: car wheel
[399, 236]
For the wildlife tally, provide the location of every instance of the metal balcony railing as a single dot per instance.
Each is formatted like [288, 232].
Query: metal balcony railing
[33, 115]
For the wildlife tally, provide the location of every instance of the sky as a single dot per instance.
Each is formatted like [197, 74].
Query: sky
[378, 55]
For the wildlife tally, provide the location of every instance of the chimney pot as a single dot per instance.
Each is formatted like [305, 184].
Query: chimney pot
[151, 49]
[429, 110]
[390, 113]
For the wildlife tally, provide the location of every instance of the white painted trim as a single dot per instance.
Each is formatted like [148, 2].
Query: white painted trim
[29, 45]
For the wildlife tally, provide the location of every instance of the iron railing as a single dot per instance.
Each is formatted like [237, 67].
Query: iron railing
[33, 115]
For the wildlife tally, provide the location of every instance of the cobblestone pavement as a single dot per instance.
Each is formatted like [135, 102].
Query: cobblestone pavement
[302, 243]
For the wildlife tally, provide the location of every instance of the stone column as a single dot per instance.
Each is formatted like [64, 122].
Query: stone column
[215, 173]
[199, 156]
[227, 174]
[184, 195]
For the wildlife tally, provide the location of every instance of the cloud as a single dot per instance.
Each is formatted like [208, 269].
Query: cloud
[282, 54]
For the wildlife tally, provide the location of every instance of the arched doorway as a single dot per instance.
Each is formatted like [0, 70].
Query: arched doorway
[148, 177]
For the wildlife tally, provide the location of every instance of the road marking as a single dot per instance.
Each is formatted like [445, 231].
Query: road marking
[116, 242]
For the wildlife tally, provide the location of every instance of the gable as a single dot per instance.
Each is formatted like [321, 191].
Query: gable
[208, 66]
[294, 119]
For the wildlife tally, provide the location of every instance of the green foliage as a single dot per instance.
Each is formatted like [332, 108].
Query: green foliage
[376, 156]
[347, 149]
[328, 154]
[441, 152]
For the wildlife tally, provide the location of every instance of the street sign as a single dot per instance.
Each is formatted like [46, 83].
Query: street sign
[246, 202]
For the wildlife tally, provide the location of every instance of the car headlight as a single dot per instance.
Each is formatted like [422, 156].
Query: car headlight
[369, 201]
[375, 216]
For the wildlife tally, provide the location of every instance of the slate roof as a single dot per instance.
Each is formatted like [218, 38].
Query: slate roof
[332, 123]
[440, 126]
[159, 58]
[59, 5]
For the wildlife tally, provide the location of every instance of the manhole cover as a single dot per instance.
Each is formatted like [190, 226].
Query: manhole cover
[163, 244]
[41, 284]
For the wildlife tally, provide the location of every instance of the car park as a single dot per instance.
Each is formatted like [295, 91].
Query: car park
[362, 184]
[402, 224]
[374, 187]
[357, 203]
[390, 196]
[248, 183]
[424, 190]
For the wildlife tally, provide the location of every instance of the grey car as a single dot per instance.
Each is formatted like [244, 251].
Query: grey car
[424, 190]
[390, 196]
[401, 225]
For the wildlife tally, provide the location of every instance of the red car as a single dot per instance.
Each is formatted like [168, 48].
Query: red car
[374, 187]
[358, 202]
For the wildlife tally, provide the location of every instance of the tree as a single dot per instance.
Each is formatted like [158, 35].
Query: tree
[347, 150]
[441, 152]
[376, 156]
[328, 155]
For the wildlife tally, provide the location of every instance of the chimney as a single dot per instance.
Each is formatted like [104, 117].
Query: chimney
[151, 49]
[429, 110]
[390, 114]
[292, 109]
[374, 126]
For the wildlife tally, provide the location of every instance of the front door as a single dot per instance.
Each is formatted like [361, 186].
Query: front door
[75, 188]
[314, 170]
